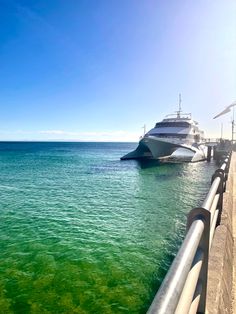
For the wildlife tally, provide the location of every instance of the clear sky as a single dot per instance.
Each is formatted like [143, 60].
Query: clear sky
[101, 69]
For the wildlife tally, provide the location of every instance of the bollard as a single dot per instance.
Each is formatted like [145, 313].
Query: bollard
[214, 153]
[209, 149]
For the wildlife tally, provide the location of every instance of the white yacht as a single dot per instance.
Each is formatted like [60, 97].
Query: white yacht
[175, 138]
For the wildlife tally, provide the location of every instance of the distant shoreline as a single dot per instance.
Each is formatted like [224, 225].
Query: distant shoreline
[60, 141]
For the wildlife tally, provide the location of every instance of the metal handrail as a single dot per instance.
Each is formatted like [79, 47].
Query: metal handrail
[174, 281]
[184, 287]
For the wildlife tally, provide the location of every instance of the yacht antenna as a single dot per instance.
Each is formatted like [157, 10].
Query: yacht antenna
[179, 111]
[144, 129]
[233, 124]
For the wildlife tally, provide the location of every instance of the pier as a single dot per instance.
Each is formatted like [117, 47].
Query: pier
[218, 149]
[202, 277]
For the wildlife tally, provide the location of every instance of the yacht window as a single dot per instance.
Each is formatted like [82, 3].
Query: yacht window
[171, 135]
[172, 124]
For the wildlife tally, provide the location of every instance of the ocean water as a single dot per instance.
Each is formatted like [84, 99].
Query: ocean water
[83, 232]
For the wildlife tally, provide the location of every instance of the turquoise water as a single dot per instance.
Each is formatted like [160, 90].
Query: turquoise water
[83, 232]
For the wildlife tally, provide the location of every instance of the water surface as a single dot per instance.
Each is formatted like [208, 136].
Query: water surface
[83, 232]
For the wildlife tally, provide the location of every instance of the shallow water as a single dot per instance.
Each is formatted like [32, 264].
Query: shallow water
[83, 232]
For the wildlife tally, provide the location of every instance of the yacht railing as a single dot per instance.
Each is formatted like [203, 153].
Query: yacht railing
[184, 287]
[182, 115]
[212, 140]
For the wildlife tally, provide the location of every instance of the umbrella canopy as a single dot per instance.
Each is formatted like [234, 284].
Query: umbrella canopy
[227, 109]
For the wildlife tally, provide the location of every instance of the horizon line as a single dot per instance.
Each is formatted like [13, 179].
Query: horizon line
[68, 141]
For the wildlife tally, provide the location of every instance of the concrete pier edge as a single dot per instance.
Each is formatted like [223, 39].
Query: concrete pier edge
[221, 289]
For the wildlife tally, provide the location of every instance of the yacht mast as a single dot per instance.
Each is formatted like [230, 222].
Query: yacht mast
[180, 110]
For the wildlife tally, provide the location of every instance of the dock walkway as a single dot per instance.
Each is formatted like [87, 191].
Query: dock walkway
[233, 173]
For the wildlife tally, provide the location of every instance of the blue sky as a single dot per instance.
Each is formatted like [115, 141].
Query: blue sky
[100, 69]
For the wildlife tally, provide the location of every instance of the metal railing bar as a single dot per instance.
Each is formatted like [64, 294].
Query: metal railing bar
[190, 284]
[167, 298]
[214, 205]
[211, 194]
[224, 165]
[214, 187]
[196, 299]
[213, 226]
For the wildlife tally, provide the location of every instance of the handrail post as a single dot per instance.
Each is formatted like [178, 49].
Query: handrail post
[205, 216]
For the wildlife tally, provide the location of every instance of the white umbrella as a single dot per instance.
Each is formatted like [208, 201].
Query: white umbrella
[227, 109]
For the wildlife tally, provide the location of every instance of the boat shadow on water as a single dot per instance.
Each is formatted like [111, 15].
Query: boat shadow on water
[150, 163]
[163, 170]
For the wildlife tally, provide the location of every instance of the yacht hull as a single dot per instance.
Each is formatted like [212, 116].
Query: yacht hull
[166, 150]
